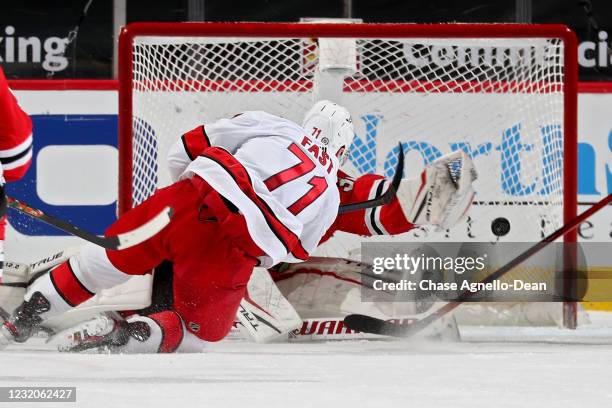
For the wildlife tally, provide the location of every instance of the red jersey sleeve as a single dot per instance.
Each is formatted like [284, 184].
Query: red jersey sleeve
[383, 220]
[15, 134]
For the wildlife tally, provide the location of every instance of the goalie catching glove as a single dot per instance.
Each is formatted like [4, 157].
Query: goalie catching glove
[442, 194]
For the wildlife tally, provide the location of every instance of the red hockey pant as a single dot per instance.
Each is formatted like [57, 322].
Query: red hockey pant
[211, 250]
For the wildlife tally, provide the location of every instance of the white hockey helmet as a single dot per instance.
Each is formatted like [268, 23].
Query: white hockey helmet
[330, 124]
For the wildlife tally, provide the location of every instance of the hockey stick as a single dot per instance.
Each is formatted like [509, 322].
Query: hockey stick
[386, 197]
[113, 242]
[417, 323]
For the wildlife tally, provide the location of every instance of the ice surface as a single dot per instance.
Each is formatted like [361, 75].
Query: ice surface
[537, 368]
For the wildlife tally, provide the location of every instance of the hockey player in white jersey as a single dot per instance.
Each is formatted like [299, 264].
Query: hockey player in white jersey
[251, 190]
[449, 204]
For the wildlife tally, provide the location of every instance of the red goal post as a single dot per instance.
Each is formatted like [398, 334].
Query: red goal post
[154, 64]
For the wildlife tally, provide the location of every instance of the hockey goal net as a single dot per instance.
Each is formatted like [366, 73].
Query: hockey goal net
[505, 94]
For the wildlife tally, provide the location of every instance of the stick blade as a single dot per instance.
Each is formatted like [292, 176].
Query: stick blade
[389, 195]
[369, 324]
[363, 323]
[145, 231]
[373, 325]
[399, 170]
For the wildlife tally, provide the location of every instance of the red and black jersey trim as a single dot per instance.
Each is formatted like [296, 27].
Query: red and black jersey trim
[172, 332]
[68, 286]
[195, 142]
[241, 177]
[375, 226]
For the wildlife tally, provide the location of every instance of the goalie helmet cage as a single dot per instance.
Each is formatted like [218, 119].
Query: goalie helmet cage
[504, 93]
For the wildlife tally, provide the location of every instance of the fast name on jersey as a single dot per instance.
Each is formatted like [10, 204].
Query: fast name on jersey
[319, 153]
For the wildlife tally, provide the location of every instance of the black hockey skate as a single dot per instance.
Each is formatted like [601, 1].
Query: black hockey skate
[106, 332]
[25, 321]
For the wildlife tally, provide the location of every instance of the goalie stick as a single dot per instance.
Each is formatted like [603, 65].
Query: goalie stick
[386, 197]
[419, 322]
[113, 242]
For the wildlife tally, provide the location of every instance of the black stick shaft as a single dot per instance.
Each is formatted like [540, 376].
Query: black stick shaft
[106, 242]
[386, 197]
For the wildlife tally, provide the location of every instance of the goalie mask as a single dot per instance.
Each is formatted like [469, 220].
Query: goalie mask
[330, 124]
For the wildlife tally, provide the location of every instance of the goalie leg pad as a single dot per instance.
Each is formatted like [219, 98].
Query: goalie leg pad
[22, 273]
[12, 296]
[71, 286]
[19, 275]
[265, 314]
[78, 279]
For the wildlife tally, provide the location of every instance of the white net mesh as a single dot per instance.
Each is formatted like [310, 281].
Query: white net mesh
[500, 100]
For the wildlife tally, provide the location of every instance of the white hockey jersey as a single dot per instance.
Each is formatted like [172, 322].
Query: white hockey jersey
[296, 199]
